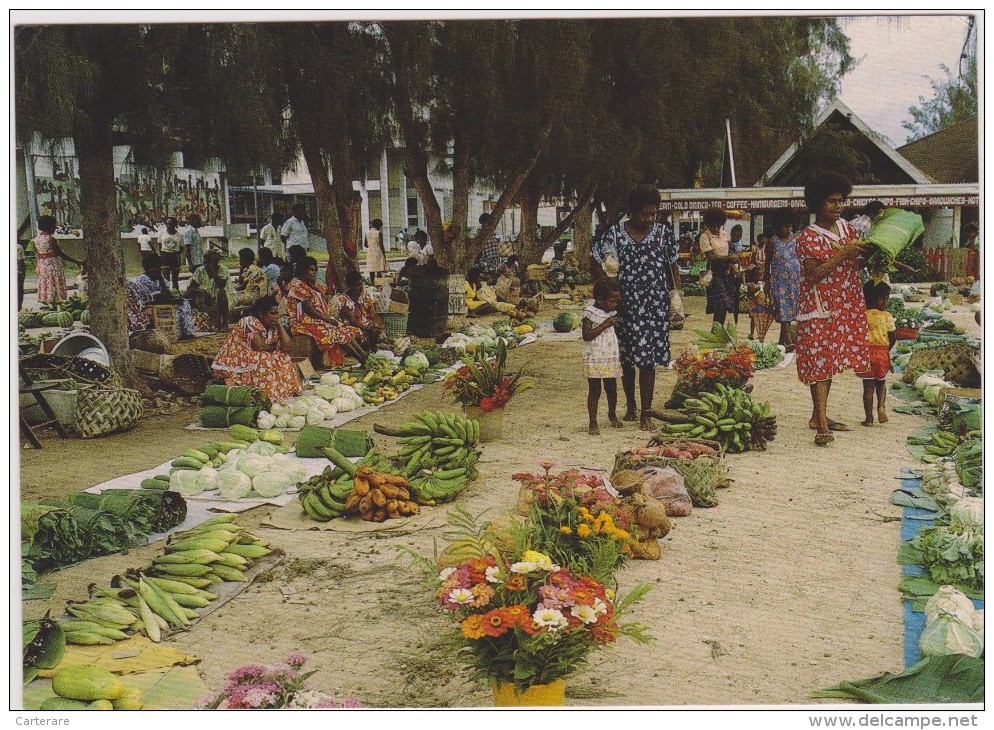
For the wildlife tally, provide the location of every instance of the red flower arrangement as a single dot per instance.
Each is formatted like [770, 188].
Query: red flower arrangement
[485, 383]
[702, 373]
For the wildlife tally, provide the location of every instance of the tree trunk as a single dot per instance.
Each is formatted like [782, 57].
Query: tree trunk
[327, 207]
[416, 169]
[582, 234]
[531, 251]
[462, 253]
[510, 193]
[342, 174]
[104, 248]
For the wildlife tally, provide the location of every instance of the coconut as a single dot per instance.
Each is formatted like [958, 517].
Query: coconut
[627, 481]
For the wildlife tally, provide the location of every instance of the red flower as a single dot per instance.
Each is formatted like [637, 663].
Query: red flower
[487, 404]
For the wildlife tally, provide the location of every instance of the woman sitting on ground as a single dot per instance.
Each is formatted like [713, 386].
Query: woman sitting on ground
[210, 293]
[562, 270]
[150, 287]
[480, 296]
[356, 307]
[257, 353]
[508, 287]
[308, 310]
[252, 281]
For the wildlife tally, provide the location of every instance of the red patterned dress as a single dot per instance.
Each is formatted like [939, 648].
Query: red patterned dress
[329, 337]
[272, 372]
[831, 315]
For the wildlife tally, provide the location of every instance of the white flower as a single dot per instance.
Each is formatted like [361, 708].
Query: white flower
[523, 567]
[493, 574]
[446, 573]
[550, 618]
[587, 614]
[599, 606]
[461, 595]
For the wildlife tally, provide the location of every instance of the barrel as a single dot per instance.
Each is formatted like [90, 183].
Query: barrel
[428, 302]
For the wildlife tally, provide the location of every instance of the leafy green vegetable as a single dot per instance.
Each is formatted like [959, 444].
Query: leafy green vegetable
[940, 679]
[768, 355]
[953, 554]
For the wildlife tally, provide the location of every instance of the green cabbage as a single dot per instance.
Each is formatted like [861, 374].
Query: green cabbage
[949, 635]
[417, 360]
[233, 484]
[185, 482]
[271, 483]
[253, 465]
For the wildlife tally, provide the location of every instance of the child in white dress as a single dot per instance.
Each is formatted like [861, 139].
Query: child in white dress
[601, 357]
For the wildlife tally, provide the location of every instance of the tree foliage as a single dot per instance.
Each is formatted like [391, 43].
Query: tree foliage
[954, 99]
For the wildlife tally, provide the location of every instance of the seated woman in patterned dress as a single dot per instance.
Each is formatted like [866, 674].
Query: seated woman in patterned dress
[257, 353]
[356, 307]
[151, 286]
[308, 310]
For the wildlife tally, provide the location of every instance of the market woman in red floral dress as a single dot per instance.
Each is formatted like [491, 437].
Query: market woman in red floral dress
[831, 313]
[309, 315]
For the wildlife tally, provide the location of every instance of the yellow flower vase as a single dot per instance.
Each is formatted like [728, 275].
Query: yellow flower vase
[538, 695]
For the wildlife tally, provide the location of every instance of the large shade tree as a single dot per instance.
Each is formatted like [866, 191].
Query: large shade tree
[99, 85]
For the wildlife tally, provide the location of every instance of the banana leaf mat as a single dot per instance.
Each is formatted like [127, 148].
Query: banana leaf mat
[175, 688]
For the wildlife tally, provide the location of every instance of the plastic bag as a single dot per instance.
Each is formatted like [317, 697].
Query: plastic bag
[667, 486]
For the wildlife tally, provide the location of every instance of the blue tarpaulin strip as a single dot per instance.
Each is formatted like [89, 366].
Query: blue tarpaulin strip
[914, 621]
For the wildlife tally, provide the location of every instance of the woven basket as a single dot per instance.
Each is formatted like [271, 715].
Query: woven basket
[702, 476]
[188, 374]
[100, 411]
[394, 324]
[956, 361]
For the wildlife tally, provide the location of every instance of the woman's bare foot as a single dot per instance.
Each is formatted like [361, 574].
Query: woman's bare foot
[630, 415]
[646, 423]
[594, 430]
[867, 422]
[882, 416]
[616, 423]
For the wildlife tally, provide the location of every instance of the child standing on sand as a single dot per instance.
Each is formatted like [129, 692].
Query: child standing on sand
[601, 356]
[882, 336]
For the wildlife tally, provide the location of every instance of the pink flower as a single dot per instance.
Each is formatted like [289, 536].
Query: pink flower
[547, 464]
[296, 660]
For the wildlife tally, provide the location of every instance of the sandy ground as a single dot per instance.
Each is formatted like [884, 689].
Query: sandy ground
[787, 586]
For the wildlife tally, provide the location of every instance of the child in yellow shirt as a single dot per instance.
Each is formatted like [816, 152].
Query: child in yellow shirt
[882, 336]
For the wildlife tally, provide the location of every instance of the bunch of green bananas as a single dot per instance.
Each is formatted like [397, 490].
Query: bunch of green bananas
[435, 440]
[942, 443]
[167, 595]
[729, 416]
[323, 497]
[720, 337]
[438, 485]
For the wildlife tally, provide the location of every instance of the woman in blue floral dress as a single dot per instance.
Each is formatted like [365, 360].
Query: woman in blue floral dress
[784, 276]
[647, 255]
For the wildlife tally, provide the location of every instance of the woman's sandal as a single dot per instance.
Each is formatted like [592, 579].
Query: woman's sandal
[824, 439]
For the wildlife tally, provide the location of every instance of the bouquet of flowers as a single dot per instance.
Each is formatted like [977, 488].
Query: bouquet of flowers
[702, 372]
[485, 382]
[258, 687]
[527, 621]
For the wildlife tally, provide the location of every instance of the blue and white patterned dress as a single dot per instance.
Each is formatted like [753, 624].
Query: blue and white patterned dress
[645, 278]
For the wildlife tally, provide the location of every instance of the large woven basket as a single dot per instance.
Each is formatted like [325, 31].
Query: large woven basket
[394, 324]
[956, 361]
[702, 476]
[101, 411]
[187, 374]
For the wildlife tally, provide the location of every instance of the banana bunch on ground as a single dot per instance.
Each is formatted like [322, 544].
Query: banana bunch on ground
[439, 441]
[435, 486]
[323, 497]
[942, 443]
[370, 489]
[728, 416]
[167, 595]
[377, 497]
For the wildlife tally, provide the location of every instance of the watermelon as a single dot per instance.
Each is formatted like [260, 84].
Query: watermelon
[84, 317]
[57, 319]
[565, 322]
